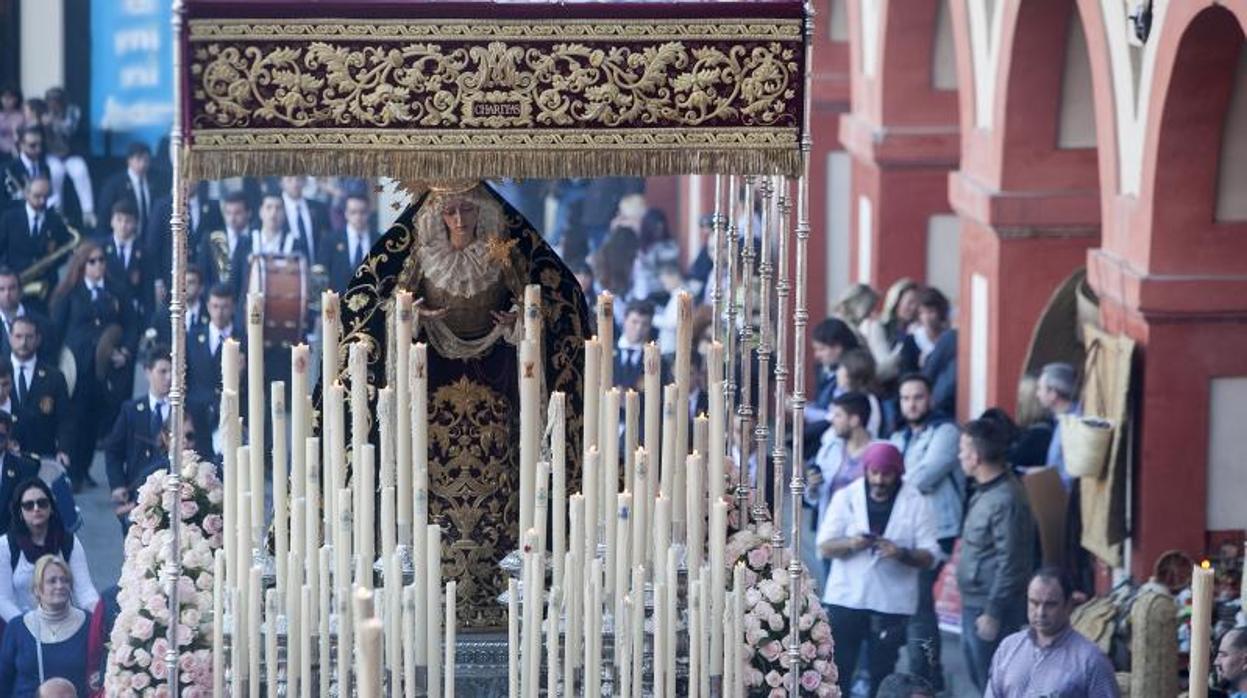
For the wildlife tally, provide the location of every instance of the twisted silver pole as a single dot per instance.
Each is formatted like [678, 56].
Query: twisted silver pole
[779, 452]
[729, 354]
[177, 311]
[744, 410]
[800, 318]
[718, 221]
[762, 426]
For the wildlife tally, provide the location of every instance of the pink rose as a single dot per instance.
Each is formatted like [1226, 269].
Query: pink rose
[140, 681]
[775, 622]
[185, 635]
[758, 557]
[808, 651]
[142, 629]
[810, 680]
[826, 690]
[778, 693]
[158, 668]
[822, 631]
[753, 677]
[773, 679]
[824, 648]
[162, 691]
[213, 524]
[771, 650]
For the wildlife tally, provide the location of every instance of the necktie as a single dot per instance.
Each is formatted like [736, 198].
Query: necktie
[34, 169]
[158, 418]
[357, 252]
[23, 384]
[124, 252]
[34, 225]
[143, 198]
[307, 238]
[95, 291]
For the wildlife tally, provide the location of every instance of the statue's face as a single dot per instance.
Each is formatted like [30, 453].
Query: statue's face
[459, 215]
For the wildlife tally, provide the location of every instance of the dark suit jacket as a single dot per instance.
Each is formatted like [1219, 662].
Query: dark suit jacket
[158, 239]
[82, 321]
[161, 323]
[131, 445]
[321, 228]
[19, 249]
[14, 470]
[335, 255]
[42, 425]
[239, 264]
[49, 346]
[203, 374]
[118, 187]
[133, 278]
[69, 207]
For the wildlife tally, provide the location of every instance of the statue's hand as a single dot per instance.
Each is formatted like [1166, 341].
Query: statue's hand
[428, 313]
[504, 319]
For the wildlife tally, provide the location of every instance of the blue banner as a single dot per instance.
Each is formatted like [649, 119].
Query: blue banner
[131, 74]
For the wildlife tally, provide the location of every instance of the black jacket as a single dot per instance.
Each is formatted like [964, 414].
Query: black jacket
[19, 249]
[14, 470]
[41, 422]
[131, 445]
[119, 187]
[81, 322]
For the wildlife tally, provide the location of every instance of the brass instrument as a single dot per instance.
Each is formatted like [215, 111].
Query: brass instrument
[218, 243]
[31, 278]
[13, 186]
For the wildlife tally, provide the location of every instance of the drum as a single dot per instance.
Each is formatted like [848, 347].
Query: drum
[283, 281]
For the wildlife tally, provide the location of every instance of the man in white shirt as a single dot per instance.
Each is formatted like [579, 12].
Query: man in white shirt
[135, 436]
[879, 533]
[124, 257]
[343, 252]
[133, 185]
[203, 359]
[12, 307]
[308, 220]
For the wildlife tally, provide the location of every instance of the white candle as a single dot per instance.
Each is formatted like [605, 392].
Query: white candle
[718, 534]
[242, 539]
[388, 525]
[703, 637]
[270, 642]
[409, 650]
[591, 505]
[451, 620]
[393, 621]
[541, 509]
[322, 617]
[574, 578]
[591, 416]
[571, 601]
[695, 630]
[667, 483]
[218, 623]
[701, 436]
[420, 415]
[653, 396]
[366, 527]
[294, 623]
[370, 631]
[334, 456]
[311, 518]
[357, 363]
[532, 313]
[558, 495]
[671, 612]
[237, 660]
[662, 536]
[695, 540]
[553, 607]
[637, 625]
[513, 638]
[620, 569]
[606, 335]
[300, 359]
[593, 663]
[531, 629]
[732, 647]
[231, 487]
[433, 602]
[1201, 628]
[385, 420]
[255, 611]
[419, 369]
[419, 557]
[623, 649]
[683, 379]
[403, 430]
[342, 584]
[255, 411]
[330, 330]
[632, 413]
[660, 638]
[718, 435]
[305, 644]
[231, 363]
[530, 429]
[640, 511]
[610, 483]
[281, 503]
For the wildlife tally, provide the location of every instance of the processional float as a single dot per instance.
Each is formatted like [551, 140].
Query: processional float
[422, 91]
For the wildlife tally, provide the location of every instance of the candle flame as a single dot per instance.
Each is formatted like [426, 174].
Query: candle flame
[1206, 565]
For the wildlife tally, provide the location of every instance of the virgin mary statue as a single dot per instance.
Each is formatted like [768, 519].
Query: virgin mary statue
[467, 255]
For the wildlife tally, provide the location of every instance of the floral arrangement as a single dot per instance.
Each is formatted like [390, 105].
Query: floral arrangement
[136, 660]
[765, 662]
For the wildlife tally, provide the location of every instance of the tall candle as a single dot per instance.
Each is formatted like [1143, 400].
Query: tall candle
[591, 505]
[433, 602]
[619, 568]
[342, 584]
[733, 645]
[541, 509]
[558, 495]
[270, 641]
[718, 543]
[305, 643]
[574, 578]
[370, 631]
[255, 403]
[385, 420]
[671, 611]
[1201, 628]
[718, 426]
[701, 436]
[419, 369]
[218, 623]
[610, 482]
[388, 525]
[571, 601]
[330, 330]
[357, 363]
[606, 335]
[594, 662]
[237, 660]
[696, 537]
[312, 519]
[667, 485]
[300, 359]
[703, 637]
[393, 621]
[513, 638]
[409, 650]
[534, 590]
[231, 365]
[403, 429]
[281, 503]
[661, 655]
[553, 606]
[451, 621]
[530, 429]
[637, 625]
[367, 525]
[623, 645]
[652, 384]
[631, 438]
[322, 625]
[231, 488]
[242, 540]
[591, 417]
[683, 380]
[334, 457]
[419, 561]
[640, 511]
[662, 536]
[294, 622]
[695, 630]
[255, 611]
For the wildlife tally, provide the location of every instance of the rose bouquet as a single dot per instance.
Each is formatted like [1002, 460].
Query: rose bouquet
[765, 664]
[139, 640]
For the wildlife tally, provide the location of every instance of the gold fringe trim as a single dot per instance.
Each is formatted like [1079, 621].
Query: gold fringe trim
[404, 164]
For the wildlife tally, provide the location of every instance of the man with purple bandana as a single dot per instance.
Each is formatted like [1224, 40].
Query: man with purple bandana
[879, 532]
[1050, 658]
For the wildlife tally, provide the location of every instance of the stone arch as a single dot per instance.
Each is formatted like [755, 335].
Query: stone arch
[1197, 63]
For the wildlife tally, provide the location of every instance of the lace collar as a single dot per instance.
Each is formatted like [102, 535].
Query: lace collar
[461, 273]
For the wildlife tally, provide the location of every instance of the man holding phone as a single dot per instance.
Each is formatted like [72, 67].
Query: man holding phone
[879, 533]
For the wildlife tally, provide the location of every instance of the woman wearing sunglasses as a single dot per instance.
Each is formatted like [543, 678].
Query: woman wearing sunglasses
[95, 316]
[37, 530]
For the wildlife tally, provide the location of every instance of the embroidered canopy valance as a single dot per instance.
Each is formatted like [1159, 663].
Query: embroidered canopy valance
[486, 89]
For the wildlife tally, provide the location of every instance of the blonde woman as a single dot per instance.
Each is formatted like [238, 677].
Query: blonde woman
[49, 641]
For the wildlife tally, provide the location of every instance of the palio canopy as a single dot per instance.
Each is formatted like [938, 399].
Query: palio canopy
[486, 89]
